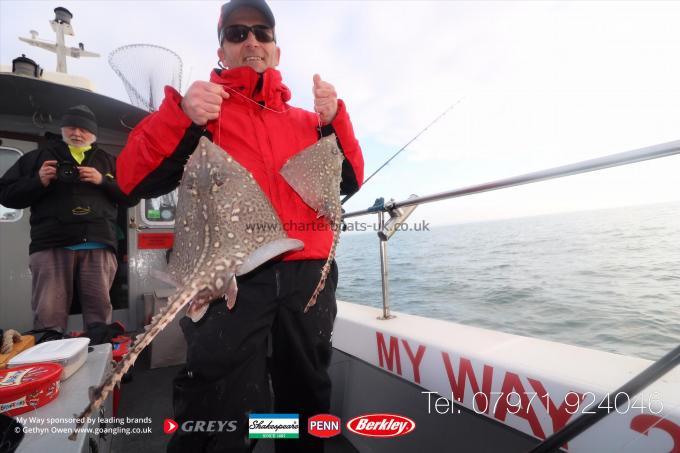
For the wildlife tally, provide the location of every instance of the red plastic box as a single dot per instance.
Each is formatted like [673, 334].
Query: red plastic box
[120, 347]
[28, 387]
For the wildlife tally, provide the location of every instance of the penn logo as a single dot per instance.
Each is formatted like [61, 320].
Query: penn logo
[323, 425]
[381, 425]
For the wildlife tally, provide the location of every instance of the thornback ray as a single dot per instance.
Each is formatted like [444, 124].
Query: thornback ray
[225, 226]
[315, 173]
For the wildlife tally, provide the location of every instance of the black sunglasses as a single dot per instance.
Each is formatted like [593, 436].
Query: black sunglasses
[239, 33]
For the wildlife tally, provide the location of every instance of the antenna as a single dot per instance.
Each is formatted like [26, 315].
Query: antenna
[61, 24]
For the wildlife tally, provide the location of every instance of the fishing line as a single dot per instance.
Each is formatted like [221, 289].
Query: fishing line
[219, 115]
[347, 197]
[255, 102]
[318, 115]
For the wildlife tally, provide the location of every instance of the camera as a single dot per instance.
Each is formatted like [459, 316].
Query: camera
[67, 172]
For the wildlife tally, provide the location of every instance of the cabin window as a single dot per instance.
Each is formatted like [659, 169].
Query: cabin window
[160, 210]
[8, 156]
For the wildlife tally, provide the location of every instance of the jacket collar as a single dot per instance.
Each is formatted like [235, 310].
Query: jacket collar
[60, 148]
[267, 87]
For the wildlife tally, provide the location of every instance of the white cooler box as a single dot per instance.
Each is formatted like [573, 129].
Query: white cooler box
[70, 354]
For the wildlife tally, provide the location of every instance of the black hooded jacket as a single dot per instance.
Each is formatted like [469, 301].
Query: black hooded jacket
[65, 213]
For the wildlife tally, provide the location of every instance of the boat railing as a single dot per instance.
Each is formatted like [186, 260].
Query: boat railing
[600, 163]
[400, 210]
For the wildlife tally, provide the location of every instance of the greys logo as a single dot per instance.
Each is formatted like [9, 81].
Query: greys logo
[201, 426]
[211, 426]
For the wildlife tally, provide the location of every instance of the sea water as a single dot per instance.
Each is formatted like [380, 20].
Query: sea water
[606, 279]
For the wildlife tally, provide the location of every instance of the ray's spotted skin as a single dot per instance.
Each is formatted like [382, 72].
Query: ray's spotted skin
[216, 238]
[316, 173]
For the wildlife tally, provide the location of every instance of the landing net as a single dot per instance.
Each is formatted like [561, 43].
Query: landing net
[145, 70]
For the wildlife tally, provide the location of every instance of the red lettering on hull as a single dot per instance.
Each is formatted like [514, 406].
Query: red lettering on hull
[512, 384]
[467, 373]
[415, 359]
[390, 357]
[558, 415]
[386, 357]
[643, 423]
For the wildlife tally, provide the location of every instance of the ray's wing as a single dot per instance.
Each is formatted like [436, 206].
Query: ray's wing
[240, 228]
[315, 173]
[189, 231]
[250, 231]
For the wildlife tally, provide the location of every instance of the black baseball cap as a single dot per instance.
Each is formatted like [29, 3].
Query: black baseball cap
[232, 5]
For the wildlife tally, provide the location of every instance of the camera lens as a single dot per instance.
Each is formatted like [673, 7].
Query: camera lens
[67, 172]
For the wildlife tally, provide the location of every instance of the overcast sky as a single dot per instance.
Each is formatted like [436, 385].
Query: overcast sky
[543, 84]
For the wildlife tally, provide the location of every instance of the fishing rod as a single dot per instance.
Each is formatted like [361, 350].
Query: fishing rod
[630, 388]
[347, 197]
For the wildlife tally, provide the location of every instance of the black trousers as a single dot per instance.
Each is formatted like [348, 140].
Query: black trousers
[227, 372]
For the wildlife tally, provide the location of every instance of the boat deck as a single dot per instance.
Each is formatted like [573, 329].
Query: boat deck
[149, 394]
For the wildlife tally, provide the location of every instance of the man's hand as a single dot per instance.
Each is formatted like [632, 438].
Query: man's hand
[202, 101]
[48, 172]
[90, 174]
[325, 100]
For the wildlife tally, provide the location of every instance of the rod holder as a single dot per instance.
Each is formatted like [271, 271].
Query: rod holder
[397, 218]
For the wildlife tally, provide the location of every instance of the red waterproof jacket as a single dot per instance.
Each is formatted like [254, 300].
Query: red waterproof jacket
[261, 140]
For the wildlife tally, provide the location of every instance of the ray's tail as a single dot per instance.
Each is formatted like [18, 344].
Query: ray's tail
[325, 270]
[99, 394]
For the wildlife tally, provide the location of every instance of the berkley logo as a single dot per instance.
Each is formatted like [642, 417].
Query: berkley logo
[323, 425]
[381, 425]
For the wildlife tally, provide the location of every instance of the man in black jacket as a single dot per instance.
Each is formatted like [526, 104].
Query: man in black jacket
[70, 187]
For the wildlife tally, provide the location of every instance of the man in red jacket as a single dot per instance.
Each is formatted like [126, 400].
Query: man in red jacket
[244, 110]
